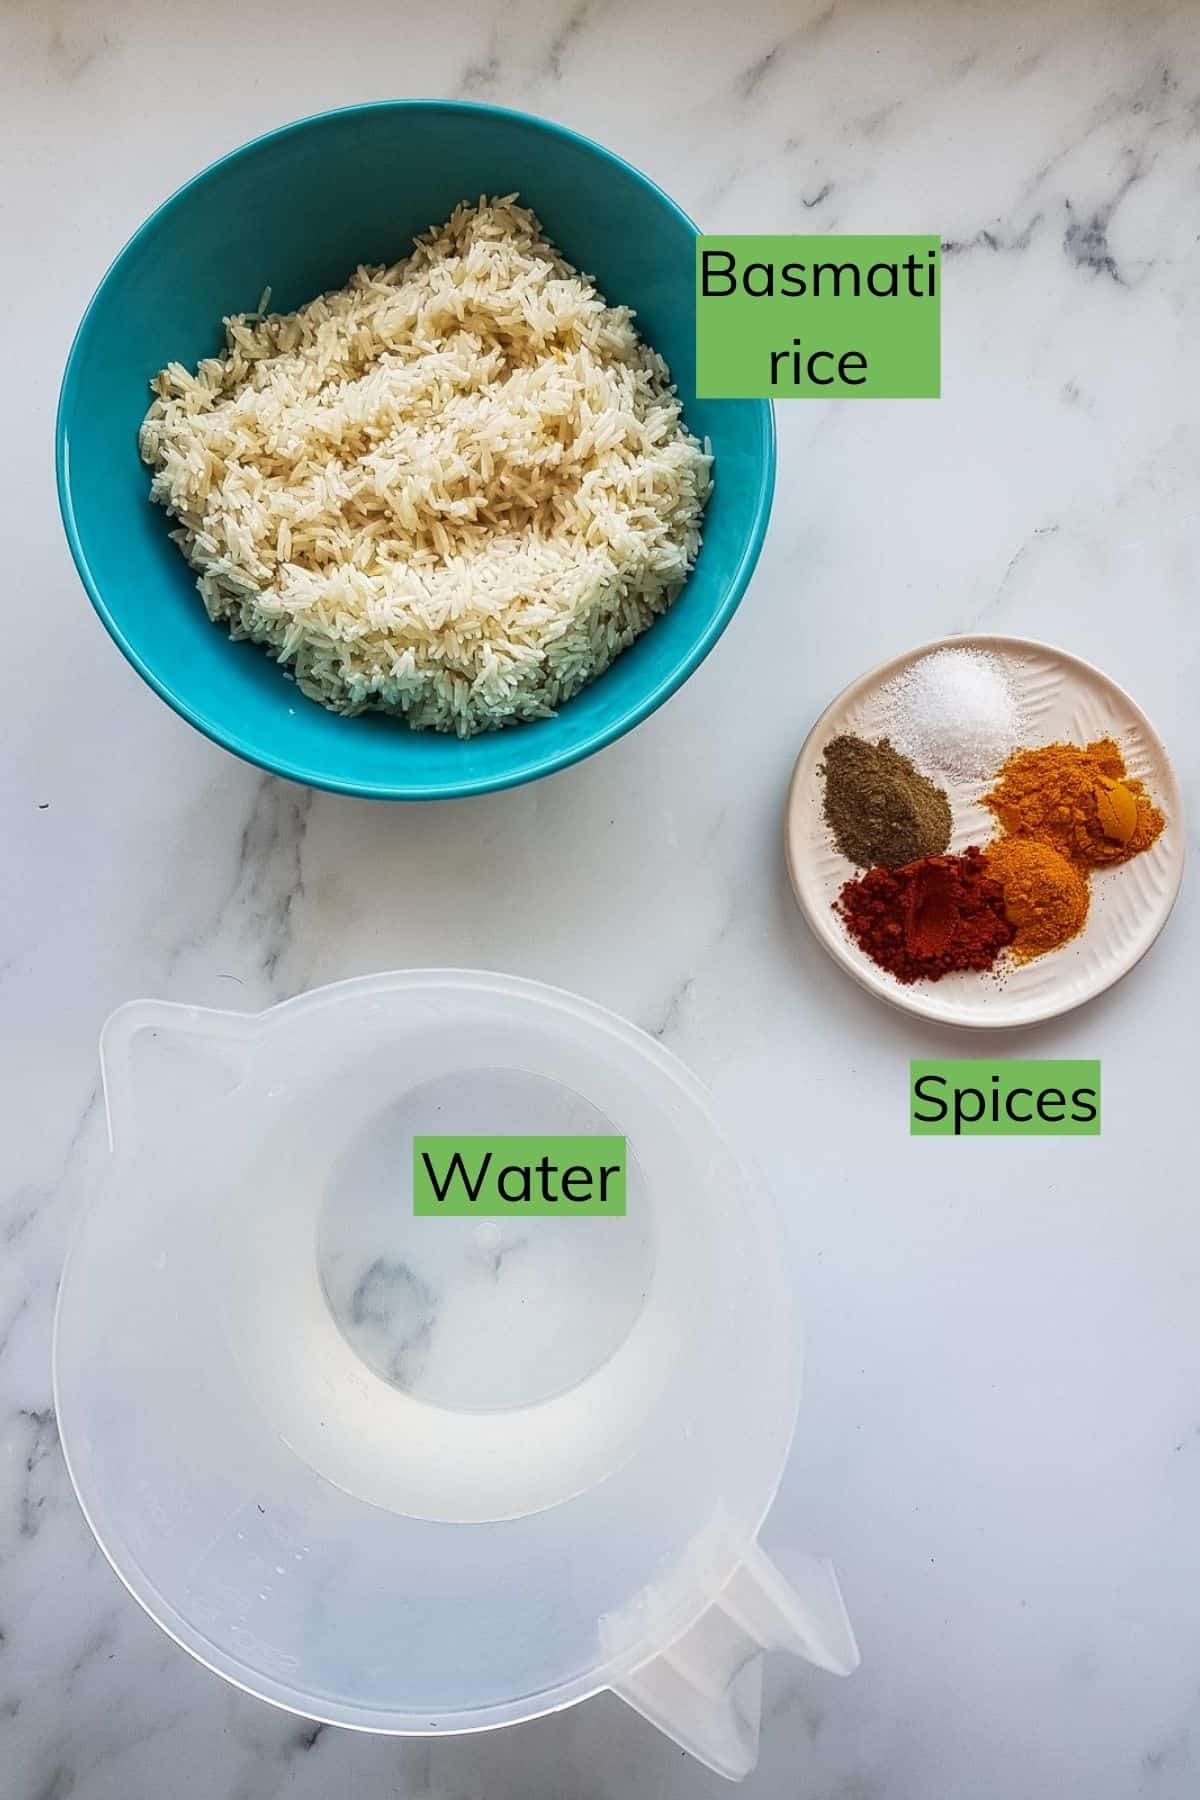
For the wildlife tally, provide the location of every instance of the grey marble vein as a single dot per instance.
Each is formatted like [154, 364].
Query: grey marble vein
[563, 44]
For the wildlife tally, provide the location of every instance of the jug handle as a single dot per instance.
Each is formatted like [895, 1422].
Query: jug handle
[232, 1032]
[705, 1690]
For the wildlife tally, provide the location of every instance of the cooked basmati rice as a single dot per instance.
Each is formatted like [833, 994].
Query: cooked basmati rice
[453, 490]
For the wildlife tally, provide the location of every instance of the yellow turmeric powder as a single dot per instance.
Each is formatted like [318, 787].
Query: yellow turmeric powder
[1045, 896]
[1077, 799]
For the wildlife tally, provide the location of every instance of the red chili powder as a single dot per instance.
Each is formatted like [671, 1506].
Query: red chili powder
[929, 918]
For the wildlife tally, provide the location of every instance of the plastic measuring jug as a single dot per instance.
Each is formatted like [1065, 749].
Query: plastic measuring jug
[427, 1475]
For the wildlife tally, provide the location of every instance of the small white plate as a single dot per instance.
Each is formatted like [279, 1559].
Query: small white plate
[1062, 699]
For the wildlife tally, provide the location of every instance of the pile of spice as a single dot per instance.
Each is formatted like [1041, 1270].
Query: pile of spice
[1080, 800]
[879, 809]
[1045, 896]
[955, 711]
[929, 918]
[1063, 810]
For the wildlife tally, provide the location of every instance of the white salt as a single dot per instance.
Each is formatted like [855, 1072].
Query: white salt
[955, 711]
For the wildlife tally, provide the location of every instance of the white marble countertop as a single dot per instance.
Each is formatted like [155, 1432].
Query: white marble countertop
[1000, 1440]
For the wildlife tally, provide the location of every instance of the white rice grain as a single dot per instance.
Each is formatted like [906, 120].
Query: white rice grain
[454, 490]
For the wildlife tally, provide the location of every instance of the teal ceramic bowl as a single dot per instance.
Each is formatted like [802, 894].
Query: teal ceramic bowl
[298, 210]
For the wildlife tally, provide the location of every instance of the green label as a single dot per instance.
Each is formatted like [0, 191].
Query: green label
[494, 1177]
[811, 318]
[1004, 1099]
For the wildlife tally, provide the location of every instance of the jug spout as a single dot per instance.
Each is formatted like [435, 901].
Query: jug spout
[209, 1052]
[705, 1690]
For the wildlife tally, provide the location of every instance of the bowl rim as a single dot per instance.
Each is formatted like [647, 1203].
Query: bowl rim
[294, 769]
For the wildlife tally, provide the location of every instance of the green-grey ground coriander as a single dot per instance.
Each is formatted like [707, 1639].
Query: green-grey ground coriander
[881, 811]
